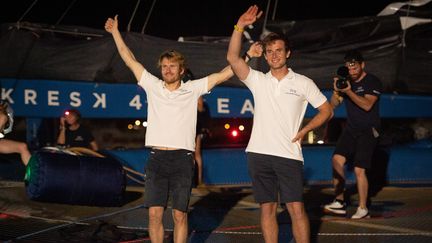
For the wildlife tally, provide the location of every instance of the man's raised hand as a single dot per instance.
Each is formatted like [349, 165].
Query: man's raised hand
[111, 24]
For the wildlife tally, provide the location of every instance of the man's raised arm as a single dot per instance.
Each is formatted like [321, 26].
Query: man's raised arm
[255, 50]
[111, 26]
[238, 65]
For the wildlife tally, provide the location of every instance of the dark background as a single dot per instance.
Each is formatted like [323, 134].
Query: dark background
[171, 19]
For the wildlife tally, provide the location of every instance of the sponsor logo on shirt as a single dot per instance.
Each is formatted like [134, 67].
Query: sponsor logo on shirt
[183, 91]
[359, 89]
[291, 92]
[79, 138]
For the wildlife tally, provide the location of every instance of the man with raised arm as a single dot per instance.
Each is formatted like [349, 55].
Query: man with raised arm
[172, 117]
[274, 152]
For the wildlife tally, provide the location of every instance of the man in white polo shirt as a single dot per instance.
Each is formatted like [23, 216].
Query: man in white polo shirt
[172, 117]
[274, 152]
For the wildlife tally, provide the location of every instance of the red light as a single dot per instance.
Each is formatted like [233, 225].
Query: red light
[67, 113]
[234, 133]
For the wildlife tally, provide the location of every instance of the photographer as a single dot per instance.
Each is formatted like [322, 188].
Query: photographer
[361, 92]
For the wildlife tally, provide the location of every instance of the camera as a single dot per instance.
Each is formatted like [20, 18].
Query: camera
[343, 77]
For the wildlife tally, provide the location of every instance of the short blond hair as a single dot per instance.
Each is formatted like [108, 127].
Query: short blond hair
[175, 56]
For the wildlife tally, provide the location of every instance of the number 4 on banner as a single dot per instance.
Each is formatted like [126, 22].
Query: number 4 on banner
[136, 102]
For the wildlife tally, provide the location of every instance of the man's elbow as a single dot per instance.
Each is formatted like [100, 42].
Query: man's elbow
[367, 107]
[231, 58]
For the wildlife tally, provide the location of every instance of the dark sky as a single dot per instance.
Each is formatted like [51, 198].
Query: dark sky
[174, 18]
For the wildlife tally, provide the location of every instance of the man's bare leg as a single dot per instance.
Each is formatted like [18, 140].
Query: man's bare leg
[300, 222]
[180, 226]
[338, 162]
[362, 186]
[269, 225]
[156, 229]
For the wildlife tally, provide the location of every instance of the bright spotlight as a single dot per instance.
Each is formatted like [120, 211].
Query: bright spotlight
[234, 133]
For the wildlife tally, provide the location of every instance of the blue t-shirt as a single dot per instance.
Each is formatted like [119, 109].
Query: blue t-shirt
[357, 118]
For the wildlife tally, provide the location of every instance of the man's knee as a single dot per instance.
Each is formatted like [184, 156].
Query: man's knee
[338, 160]
[179, 217]
[22, 147]
[296, 210]
[359, 172]
[155, 215]
[268, 209]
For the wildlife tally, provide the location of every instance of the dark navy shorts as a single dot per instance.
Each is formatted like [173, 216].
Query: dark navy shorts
[275, 177]
[357, 146]
[169, 173]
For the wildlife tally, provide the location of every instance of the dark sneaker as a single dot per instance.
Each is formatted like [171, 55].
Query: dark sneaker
[337, 207]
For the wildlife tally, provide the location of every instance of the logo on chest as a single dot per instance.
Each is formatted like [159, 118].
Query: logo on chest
[291, 91]
[359, 89]
[79, 138]
[178, 93]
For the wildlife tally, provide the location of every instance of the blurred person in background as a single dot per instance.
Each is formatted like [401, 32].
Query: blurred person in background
[8, 146]
[73, 134]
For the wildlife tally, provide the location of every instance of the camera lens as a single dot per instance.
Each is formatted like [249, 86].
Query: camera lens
[341, 83]
[343, 71]
[343, 76]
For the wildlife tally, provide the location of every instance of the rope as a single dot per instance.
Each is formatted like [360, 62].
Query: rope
[134, 179]
[28, 10]
[69, 32]
[133, 171]
[148, 17]
[65, 12]
[85, 151]
[133, 15]
[78, 221]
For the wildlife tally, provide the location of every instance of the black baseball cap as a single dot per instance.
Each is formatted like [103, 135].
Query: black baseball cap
[353, 56]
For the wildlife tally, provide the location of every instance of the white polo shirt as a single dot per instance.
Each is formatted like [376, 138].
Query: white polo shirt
[172, 115]
[279, 110]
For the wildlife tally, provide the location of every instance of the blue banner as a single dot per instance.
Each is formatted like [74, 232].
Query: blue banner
[50, 98]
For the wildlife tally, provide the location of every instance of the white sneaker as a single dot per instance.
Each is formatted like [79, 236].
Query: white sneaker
[361, 213]
[336, 207]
